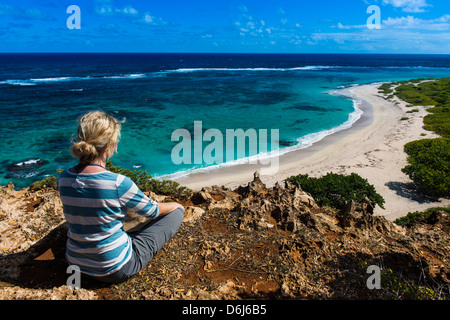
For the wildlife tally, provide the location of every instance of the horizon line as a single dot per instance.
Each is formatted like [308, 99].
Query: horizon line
[262, 53]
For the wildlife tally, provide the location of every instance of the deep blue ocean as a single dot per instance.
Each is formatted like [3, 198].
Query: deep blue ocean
[42, 97]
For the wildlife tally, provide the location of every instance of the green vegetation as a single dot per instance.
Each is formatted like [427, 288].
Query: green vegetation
[385, 88]
[430, 93]
[438, 120]
[429, 165]
[49, 182]
[413, 95]
[429, 159]
[397, 285]
[418, 215]
[336, 190]
[147, 183]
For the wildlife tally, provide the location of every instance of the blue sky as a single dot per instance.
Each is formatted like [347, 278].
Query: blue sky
[262, 26]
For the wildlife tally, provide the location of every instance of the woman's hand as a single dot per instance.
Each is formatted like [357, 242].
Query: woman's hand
[168, 207]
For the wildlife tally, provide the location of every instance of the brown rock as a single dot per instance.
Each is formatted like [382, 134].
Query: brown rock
[192, 213]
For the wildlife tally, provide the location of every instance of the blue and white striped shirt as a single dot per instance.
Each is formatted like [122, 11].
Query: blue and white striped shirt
[95, 206]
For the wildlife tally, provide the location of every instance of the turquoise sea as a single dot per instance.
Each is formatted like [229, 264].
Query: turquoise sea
[42, 97]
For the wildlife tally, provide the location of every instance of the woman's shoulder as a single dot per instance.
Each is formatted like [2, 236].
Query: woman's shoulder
[101, 175]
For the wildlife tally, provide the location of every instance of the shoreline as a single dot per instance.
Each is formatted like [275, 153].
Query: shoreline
[372, 147]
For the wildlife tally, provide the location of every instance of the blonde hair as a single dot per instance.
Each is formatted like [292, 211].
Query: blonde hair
[98, 132]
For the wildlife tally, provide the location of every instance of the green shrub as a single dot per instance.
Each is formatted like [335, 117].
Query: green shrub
[147, 183]
[418, 215]
[336, 190]
[429, 165]
[404, 118]
[49, 182]
[413, 110]
[411, 217]
[397, 285]
[438, 120]
[414, 95]
[385, 88]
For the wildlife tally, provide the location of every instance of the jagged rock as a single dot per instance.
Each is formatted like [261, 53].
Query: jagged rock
[201, 197]
[255, 187]
[284, 208]
[192, 213]
[155, 197]
[254, 214]
[348, 214]
[216, 198]
[301, 197]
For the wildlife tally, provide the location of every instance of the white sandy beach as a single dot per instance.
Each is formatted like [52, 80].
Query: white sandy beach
[372, 148]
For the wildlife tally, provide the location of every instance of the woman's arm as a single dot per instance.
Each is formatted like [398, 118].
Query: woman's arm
[168, 207]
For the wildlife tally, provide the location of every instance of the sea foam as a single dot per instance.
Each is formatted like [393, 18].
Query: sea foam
[162, 73]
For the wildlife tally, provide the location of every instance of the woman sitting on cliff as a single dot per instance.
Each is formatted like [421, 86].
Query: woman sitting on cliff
[95, 203]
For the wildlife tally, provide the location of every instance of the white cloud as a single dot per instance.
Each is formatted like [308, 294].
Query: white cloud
[410, 22]
[385, 40]
[129, 10]
[408, 5]
[341, 26]
[108, 9]
[248, 25]
[148, 19]
[265, 30]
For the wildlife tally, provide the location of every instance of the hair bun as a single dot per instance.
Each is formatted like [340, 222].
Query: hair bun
[98, 134]
[85, 151]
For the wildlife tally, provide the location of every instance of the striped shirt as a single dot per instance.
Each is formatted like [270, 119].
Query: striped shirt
[95, 206]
